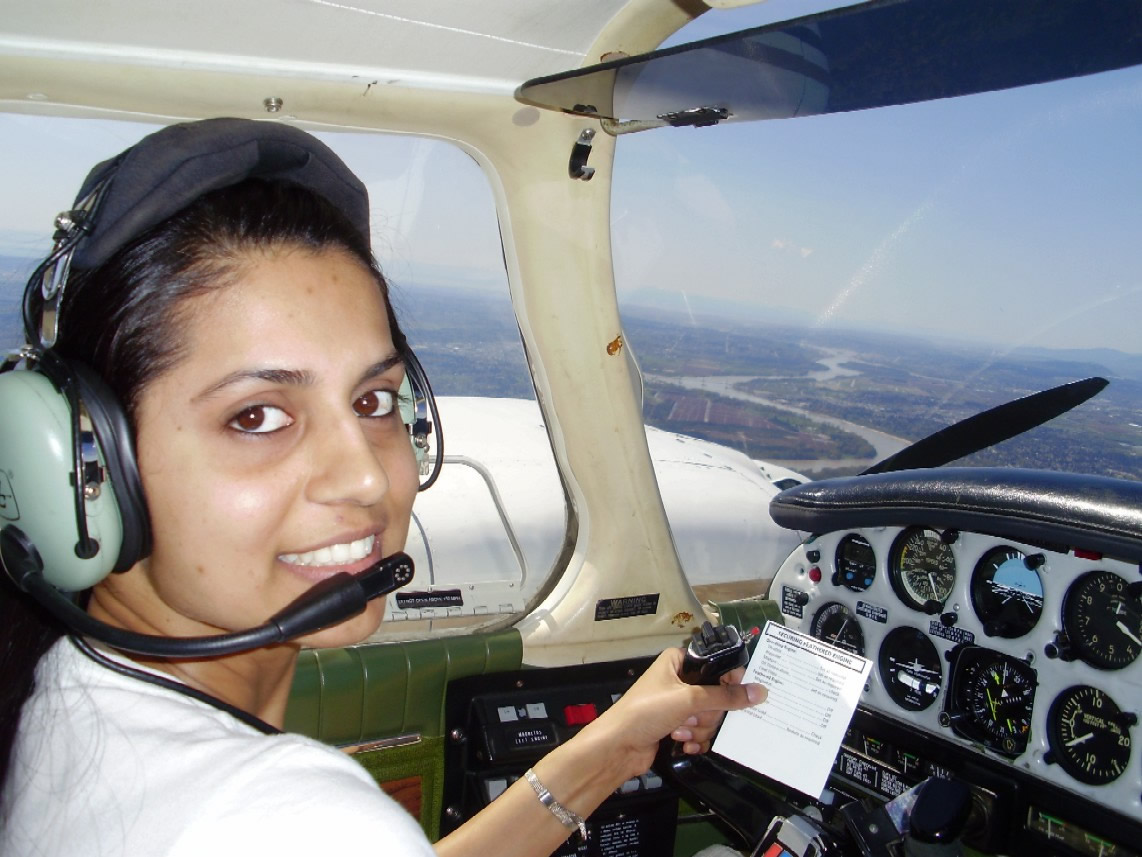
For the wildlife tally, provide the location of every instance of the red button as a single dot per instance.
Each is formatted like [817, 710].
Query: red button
[577, 715]
[815, 574]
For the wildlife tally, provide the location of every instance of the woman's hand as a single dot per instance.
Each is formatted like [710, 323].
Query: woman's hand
[661, 704]
[620, 744]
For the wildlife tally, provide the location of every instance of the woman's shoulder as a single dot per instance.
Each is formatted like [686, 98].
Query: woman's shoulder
[172, 775]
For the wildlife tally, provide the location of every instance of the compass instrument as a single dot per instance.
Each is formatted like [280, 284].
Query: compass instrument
[1102, 620]
[1089, 735]
[990, 699]
[922, 569]
[1007, 593]
[836, 625]
[910, 668]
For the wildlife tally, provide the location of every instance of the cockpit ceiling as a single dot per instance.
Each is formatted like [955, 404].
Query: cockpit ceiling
[476, 45]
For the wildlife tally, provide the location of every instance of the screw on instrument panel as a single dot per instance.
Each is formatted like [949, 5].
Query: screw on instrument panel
[457, 735]
[273, 104]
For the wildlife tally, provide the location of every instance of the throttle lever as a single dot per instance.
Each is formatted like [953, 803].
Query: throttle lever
[713, 652]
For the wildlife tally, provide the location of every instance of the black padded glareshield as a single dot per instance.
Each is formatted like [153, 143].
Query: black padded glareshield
[73, 507]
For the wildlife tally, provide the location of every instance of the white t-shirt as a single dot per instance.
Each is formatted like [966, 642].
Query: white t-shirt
[106, 764]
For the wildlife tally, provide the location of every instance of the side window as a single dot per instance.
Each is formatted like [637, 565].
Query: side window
[484, 537]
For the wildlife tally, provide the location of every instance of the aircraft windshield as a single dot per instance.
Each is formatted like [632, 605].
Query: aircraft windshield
[820, 292]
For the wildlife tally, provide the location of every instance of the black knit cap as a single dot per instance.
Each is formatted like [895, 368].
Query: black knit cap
[168, 170]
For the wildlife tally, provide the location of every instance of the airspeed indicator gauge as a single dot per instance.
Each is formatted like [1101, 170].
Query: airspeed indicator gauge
[923, 569]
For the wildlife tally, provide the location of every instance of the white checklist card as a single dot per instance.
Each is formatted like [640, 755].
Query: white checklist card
[794, 735]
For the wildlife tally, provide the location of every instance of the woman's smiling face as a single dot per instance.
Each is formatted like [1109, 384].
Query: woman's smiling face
[272, 453]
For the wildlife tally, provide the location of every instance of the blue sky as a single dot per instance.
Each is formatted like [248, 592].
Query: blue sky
[1010, 218]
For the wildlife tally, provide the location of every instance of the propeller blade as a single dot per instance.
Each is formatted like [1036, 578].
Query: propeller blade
[990, 427]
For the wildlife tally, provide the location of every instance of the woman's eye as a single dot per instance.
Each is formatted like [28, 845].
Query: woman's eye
[375, 403]
[261, 419]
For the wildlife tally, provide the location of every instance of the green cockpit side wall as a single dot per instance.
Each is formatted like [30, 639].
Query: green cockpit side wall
[384, 704]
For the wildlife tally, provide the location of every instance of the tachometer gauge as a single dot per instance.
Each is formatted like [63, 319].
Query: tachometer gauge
[1089, 735]
[837, 626]
[910, 668]
[1006, 593]
[856, 563]
[1102, 621]
[923, 569]
[990, 698]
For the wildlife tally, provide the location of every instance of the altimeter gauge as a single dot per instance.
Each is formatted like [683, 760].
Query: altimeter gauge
[836, 625]
[1006, 592]
[923, 569]
[1102, 620]
[1089, 735]
[990, 699]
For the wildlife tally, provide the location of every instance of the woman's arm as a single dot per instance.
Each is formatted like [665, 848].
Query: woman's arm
[607, 752]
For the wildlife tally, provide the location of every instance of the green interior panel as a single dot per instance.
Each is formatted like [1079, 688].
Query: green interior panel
[425, 760]
[372, 692]
[364, 693]
[749, 613]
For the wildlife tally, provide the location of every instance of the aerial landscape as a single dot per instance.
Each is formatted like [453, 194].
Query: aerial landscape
[822, 403]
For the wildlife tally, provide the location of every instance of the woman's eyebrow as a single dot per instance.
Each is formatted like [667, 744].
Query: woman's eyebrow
[382, 366]
[293, 377]
[297, 377]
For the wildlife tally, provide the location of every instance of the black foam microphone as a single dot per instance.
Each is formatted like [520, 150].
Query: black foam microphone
[334, 600]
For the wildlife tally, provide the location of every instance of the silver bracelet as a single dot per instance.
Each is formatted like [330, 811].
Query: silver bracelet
[566, 817]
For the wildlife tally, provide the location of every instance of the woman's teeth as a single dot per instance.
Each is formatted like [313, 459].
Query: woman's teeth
[333, 554]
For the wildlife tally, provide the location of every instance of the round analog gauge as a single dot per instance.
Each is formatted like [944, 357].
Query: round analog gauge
[990, 699]
[1102, 621]
[1006, 593]
[856, 563]
[923, 569]
[910, 668]
[837, 626]
[1089, 735]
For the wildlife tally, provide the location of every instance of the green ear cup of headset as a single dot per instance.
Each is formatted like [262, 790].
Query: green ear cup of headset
[37, 497]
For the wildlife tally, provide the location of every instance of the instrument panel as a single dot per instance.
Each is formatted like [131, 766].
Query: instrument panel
[1021, 654]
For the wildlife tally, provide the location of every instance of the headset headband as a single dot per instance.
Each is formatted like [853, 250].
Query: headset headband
[165, 172]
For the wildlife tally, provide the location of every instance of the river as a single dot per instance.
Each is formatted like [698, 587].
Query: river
[726, 385]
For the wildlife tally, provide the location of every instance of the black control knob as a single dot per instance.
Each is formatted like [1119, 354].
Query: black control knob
[939, 817]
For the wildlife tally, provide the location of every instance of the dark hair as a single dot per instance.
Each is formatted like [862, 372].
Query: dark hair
[122, 319]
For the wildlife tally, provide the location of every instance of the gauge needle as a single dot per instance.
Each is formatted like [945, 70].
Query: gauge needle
[932, 583]
[1074, 742]
[840, 630]
[990, 703]
[1122, 627]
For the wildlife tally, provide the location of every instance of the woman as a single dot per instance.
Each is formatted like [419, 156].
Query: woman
[237, 315]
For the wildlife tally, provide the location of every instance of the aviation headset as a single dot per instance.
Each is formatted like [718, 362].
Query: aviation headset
[72, 506]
